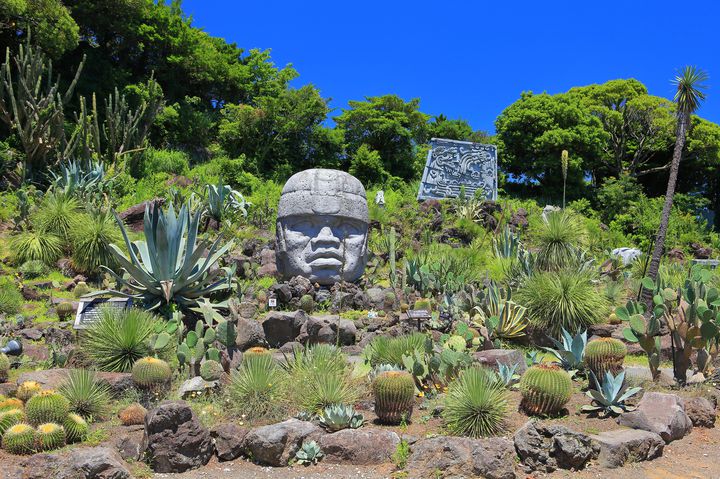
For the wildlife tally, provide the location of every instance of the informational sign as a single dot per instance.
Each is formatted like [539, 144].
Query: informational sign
[419, 315]
[453, 166]
[272, 302]
[88, 310]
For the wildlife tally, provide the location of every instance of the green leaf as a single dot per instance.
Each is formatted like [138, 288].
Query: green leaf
[637, 323]
[629, 335]
[622, 313]
[648, 283]
[162, 341]
[191, 339]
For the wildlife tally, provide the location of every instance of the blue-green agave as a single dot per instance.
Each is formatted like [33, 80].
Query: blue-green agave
[570, 353]
[609, 398]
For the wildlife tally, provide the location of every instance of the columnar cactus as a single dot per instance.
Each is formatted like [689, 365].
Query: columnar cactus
[545, 389]
[47, 406]
[133, 415]
[28, 389]
[49, 436]
[605, 354]
[76, 428]
[9, 418]
[211, 370]
[149, 373]
[394, 393]
[19, 439]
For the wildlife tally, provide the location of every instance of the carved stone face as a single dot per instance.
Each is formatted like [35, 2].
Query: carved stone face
[322, 227]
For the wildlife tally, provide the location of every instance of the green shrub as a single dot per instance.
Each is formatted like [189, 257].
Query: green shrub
[49, 436]
[558, 239]
[257, 390]
[476, 404]
[11, 299]
[389, 350]
[19, 439]
[394, 393]
[545, 389]
[76, 428]
[29, 245]
[118, 338]
[562, 299]
[33, 268]
[91, 239]
[87, 396]
[173, 162]
[47, 406]
[57, 214]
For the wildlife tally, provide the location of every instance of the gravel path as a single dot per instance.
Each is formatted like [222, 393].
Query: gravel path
[246, 470]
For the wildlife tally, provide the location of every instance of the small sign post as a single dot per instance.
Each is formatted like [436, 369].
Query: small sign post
[88, 311]
[419, 314]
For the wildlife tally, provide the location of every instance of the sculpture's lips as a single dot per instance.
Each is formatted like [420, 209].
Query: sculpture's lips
[325, 258]
[325, 263]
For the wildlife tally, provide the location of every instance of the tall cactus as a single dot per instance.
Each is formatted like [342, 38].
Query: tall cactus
[642, 331]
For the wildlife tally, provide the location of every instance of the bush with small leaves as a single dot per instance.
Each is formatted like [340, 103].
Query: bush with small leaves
[76, 428]
[27, 389]
[19, 439]
[47, 406]
[9, 418]
[49, 436]
[394, 393]
[545, 388]
[211, 370]
[605, 354]
[151, 373]
[10, 297]
[133, 415]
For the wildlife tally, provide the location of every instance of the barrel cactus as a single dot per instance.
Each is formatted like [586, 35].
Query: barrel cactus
[64, 310]
[76, 428]
[49, 436]
[9, 418]
[211, 370]
[19, 439]
[28, 389]
[545, 389]
[47, 406]
[133, 415]
[307, 303]
[394, 393]
[255, 351]
[422, 304]
[4, 367]
[11, 403]
[150, 373]
[81, 289]
[605, 354]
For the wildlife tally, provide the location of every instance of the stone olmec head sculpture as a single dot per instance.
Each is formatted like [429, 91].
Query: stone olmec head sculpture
[322, 227]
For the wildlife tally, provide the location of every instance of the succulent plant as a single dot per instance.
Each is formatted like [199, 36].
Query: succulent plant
[309, 453]
[339, 416]
[255, 351]
[644, 332]
[394, 393]
[609, 398]
[64, 310]
[389, 300]
[4, 367]
[33, 268]
[456, 343]
[605, 354]
[506, 373]
[422, 304]
[570, 353]
[133, 415]
[151, 373]
[545, 389]
[9, 418]
[81, 289]
[47, 406]
[11, 403]
[476, 403]
[19, 439]
[76, 428]
[211, 370]
[49, 436]
[27, 389]
[307, 303]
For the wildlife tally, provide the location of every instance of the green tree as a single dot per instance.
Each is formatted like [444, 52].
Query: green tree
[366, 165]
[441, 127]
[47, 21]
[388, 125]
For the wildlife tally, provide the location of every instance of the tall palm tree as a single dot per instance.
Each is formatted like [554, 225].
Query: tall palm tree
[690, 83]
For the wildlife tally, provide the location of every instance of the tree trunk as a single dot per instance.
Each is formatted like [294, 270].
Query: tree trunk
[682, 127]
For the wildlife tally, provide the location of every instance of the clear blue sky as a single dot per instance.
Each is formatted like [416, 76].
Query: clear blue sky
[470, 59]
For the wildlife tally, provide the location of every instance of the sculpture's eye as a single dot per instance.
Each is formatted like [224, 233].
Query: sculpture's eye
[305, 225]
[350, 228]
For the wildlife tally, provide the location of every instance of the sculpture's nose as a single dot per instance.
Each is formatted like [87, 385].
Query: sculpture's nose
[326, 237]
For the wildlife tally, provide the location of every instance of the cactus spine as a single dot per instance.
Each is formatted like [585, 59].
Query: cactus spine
[28, 389]
[76, 428]
[149, 373]
[47, 406]
[19, 439]
[10, 403]
[394, 393]
[49, 436]
[605, 354]
[545, 389]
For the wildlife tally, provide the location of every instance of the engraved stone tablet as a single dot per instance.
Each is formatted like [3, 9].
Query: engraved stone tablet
[453, 164]
[89, 309]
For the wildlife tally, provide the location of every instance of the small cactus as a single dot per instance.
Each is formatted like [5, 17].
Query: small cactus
[76, 428]
[81, 289]
[389, 300]
[28, 389]
[149, 373]
[211, 370]
[422, 304]
[545, 389]
[47, 406]
[49, 436]
[9, 418]
[11, 403]
[64, 310]
[133, 415]
[4, 367]
[256, 351]
[605, 354]
[307, 303]
[19, 439]
[394, 393]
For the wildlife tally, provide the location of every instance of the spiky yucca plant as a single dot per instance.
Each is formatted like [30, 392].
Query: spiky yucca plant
[151, 373]
[132, 415]
[27, 389]
[9, 418]
[76, 428]
[389, 350]
[88, 397]
[211, 370]
[58, 214]
[394, 393]
[19, 439]
[49, 436]
[258, 389]
[47, 406]
[545, 388]
[91, 240]
[559, 237]
[605, 354]
[476, 404]
[31, 245]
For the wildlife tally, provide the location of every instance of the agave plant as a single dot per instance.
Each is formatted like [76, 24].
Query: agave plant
[309, 453]
[339, 416]
[609, 398]
[171, 266]
[80, 180]
[222, 199]
[507, 373]
[570, 353]
[503, 318]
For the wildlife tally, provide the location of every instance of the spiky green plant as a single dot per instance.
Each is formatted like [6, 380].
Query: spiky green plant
[133, 415]
[394, 393]
[558, 237]
[88, 396]
[307, 303]
[81, 289]
[476, 404]
[49, 436]
[211, 370]
[605, 355]
[27, 389]
[4, 367]
[545, 388]
[91, 241]
[57, 214]
[389, 350]
[76, 428]
[340, 416]
[562, 299]
[151, 373]
[33, 268]
[11, 403]
[9, 418]
[64, 310]
[309, 453]
[11, 299]
[118, 338]
[37, 245]
[19, 439]
[258, 389]
[171, 266]
[47, 406]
